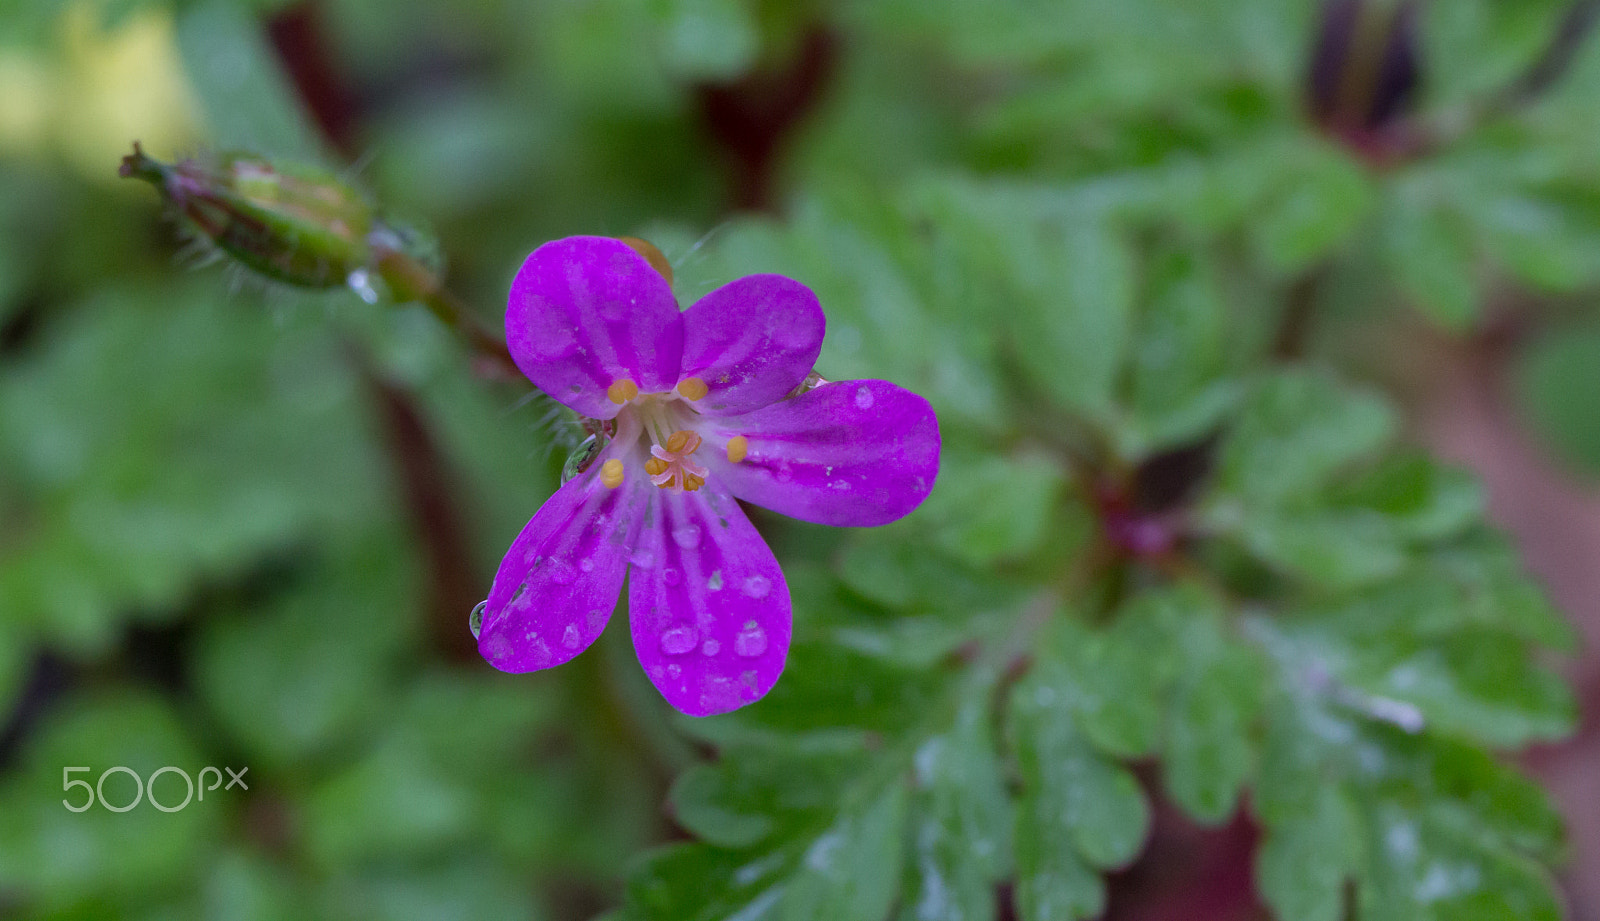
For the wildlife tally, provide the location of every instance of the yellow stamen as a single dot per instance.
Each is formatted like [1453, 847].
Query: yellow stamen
[622, 390]
[738, 447]
[611, 473]
[692, 388]
[655, 466]
[682, 442]
[692, 482]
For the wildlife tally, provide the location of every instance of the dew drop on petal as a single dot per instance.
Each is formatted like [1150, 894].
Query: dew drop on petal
[711, 647]
[571, 638]
[751, 641]
[674, 671]
[475, 619]
[863, 398]
[756, 586]
[643, 558]
[715, 582]
[687, 537]
[678, 640]
[587, 565]
[671, 576]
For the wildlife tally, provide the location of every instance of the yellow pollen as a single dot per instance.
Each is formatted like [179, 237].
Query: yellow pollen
[738, 447]
[622, 390]
[655, 466]
[611, 473]
[682, 442]
[692, 388]
[692, 482]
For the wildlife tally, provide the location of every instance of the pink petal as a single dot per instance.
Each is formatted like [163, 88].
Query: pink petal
[849, 453]
[752, 341]
[560, 580]
[708, 604]
[585, 312]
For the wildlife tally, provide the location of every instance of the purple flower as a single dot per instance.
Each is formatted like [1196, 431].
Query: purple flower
[703, 414]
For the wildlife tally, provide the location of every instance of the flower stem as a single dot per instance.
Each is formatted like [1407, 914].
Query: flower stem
[411, 280]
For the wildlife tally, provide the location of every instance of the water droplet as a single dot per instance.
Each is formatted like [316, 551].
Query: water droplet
[360, 281]
[711, 648]
[715, 582]
[671, 576]
[643, 558]
[587, 565]
[678, 640]
[863, 398]
[475, 619]
[751, 641]
[674, 671]
[571, 639]
[687, 537]
[756, 586]
[583, 456]
[840, 485]
[562, 572]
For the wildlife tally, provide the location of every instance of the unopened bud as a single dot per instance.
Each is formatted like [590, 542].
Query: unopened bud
[1365, 70]
[297, 224]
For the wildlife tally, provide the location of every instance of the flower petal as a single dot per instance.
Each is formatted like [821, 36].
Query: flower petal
[752, 341]
[585, 312]
[560, 580]
[849, 453]
[708, 604]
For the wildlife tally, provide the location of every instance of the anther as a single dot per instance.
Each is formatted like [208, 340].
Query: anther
[738, 447]
[622, 390]
[692, 388]
[655, 466]
[611, 473]
[682, 441]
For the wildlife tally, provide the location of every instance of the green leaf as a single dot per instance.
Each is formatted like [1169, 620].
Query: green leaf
[992, 508]
[1324, 198]
[317, 667]
[1430, 249]
[1558, 386]
[1210, 751]
[53, 857]
[248, 100]
[1066, 782]
[1295, 431]
[1305, 861]
[1179, 355]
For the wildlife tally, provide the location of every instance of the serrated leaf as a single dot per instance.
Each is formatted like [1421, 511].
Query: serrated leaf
[1209, 751]
[1295, 431]
[1304, 862]
[1097, 802]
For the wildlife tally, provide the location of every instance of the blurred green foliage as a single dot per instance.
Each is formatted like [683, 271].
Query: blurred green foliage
[1176, 552]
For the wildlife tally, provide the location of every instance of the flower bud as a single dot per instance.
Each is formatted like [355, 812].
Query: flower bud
[1365, 70]
[299, 225]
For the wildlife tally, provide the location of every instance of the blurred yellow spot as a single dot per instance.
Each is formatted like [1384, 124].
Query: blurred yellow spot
[622, 390]
[611, 473]
[738, 447]
[27, 102]
[692, 388]
[120, 85]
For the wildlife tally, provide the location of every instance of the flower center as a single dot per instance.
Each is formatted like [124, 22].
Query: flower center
[671, 464]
